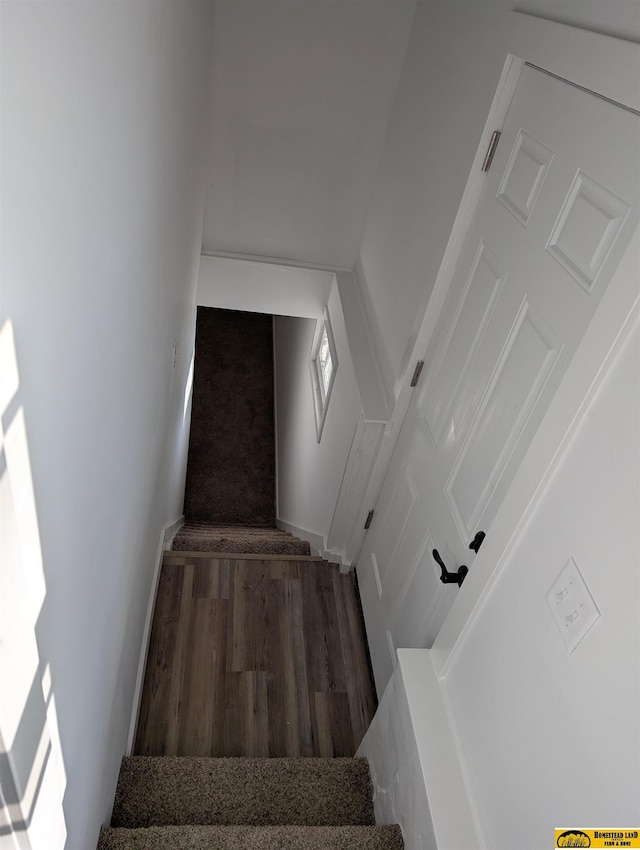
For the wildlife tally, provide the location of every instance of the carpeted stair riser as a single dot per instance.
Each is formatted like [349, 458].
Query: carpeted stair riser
[154, 791]
[253, 838]
[213, 544]
[200, 537]
[246, 530]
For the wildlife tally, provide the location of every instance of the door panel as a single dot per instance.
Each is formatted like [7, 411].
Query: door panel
[556, 212]
[461, 345]
[524, 175]
[587, 228]
[395, 521]
[519, 379]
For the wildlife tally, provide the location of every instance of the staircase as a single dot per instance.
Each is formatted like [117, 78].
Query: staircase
[258, 804]
[256, 649]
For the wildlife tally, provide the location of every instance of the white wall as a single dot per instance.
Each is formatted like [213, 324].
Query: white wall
[452, 66]
[619, 18]
[103, 129]
[232, 284]
[310, 473]
[302, 94]
[550, 738]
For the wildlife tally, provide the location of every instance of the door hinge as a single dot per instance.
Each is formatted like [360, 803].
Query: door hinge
[493, 144]
[367, 522]
[416, 373]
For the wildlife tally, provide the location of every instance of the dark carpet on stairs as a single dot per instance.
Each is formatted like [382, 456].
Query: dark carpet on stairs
[253, 838]
[252, 540]
[231, 460]
[245, 804]
[243, 791]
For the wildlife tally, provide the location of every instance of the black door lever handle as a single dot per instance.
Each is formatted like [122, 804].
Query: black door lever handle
[476, 543]
[447, 577]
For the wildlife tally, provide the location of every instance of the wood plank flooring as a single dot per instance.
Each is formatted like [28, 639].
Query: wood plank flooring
[253, 657]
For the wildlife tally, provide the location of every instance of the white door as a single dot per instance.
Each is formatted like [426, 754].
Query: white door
[557, 210]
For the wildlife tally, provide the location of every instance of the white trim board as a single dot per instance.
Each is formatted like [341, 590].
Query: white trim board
[167, 534]
[601, 63]
[456, 822]
[316, 541]
[275, 261]
[260, 287]
[317, 544]
[170, 531]
[418, 768]
[373, 392]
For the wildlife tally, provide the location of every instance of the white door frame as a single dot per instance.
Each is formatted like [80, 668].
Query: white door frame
[608, 67]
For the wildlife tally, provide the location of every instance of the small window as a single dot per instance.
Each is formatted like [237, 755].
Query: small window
[324, 364]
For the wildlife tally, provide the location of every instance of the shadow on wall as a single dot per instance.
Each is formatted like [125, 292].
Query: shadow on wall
[32, 770]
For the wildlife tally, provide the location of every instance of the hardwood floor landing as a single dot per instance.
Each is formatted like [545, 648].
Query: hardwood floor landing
[255, 658]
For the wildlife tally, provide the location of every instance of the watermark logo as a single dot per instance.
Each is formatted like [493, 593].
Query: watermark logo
[573, 838]
[597, 838]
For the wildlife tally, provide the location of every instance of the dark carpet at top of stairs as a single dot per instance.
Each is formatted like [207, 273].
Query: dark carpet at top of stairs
[231, 461]
[253, 838]
[251, 540]
[239, 791]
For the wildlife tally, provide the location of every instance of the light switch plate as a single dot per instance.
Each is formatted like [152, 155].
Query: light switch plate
[572, 605]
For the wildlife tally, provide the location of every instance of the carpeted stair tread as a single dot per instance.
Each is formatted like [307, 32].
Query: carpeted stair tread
[246, 530]
[253, 838]
[163, 791]
[251, 540]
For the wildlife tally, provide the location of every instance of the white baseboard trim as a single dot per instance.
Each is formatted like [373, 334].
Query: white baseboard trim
[317, 543]
[170, 532]
[337, 558]
[418, 765]
[166, 537]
